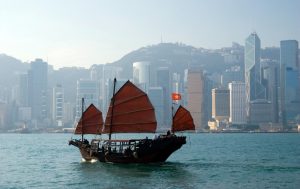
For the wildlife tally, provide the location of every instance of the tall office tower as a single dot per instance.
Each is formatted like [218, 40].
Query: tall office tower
[177, 83]
[3, 117]
[237, 96]
[58, 106]
[289, 79]
[254, 88]
[141, 75]
[196, 96]
[106, 84]
[156, 96]
[37, 85]
[220, 104]
[270, 80]
[235, 73]
[89, 90]
[68, 113]
[23, 90]
[260, 111]
[163, 80]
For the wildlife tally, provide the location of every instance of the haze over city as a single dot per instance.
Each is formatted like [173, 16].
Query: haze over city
[149, 94]
[79, 33]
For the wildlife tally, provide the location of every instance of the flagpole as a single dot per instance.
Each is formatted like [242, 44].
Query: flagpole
[175, 98]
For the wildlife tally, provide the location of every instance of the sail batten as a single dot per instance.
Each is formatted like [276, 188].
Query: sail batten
[129, 99]
[136, 111]
[182, 120]
[132, 112]
[91, 121]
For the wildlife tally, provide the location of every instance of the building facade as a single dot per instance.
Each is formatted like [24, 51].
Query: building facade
[37, 89]
[156, 96]
[89, 91]
[141, 75]
[270, 80]
[220, 104]
[58, 106]
[290, 82]
[254, 88]
[195, 96]
[237, 95]
[163, 80]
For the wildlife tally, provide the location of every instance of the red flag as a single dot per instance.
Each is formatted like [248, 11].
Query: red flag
[176, 96]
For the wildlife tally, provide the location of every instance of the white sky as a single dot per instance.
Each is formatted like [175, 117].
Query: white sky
[86, 32]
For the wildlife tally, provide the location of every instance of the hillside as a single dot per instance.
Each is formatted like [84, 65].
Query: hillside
[177, 56]
[10, 66]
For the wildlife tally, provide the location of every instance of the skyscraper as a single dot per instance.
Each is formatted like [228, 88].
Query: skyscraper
[58, 105]
[23, 90]
[89, 90]
[163, 80]
[237, 95]
[289, 79]
[141, 75]
[270, 80]
[108, 74]
[37, 85]
[156, 97]
[220, 104]
[254, 88]
[195, 96]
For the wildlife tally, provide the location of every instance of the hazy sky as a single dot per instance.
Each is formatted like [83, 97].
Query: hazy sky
[86, 32]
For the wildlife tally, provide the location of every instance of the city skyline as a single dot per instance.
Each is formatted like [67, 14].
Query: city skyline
[75, 33]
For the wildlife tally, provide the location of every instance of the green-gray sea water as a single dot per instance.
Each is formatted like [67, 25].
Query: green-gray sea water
[206, 161]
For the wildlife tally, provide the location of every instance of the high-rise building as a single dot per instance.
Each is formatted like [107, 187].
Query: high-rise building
[3, 117]
[108, 74]
[141, 75]
[233, 74]
[254, 88]
[290, 81]
[237, 95]
[220, 104]
[23, 90]
[260, 111]
[289, 54]
[163, 80]
[69, 114]
[270, 80]
[156, 96]
[196, 96]
[89, 90]
[58, 105]
[37, 89]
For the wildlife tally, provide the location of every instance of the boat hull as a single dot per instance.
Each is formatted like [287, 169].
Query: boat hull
[144, 151]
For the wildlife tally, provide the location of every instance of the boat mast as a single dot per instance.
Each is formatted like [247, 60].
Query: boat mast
[112, 108]
[82, 118]
[172, 126]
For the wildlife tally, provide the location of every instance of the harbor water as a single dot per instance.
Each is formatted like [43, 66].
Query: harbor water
[240, 160]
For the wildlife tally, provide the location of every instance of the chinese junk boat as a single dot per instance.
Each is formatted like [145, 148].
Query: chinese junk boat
[130, 111]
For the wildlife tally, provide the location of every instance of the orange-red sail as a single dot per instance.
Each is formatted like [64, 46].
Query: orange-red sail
[91, 121]
[130, 111]
[183, 120]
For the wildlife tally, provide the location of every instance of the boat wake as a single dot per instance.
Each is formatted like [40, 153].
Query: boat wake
[91, 161]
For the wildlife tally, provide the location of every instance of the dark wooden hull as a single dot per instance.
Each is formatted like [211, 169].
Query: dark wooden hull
[145, 150]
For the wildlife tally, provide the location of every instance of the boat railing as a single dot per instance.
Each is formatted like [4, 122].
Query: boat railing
[121, 146]
[95, 145]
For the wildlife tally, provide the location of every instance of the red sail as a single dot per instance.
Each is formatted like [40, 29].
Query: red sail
[183, 120]
[91, 120]
[132, 112]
